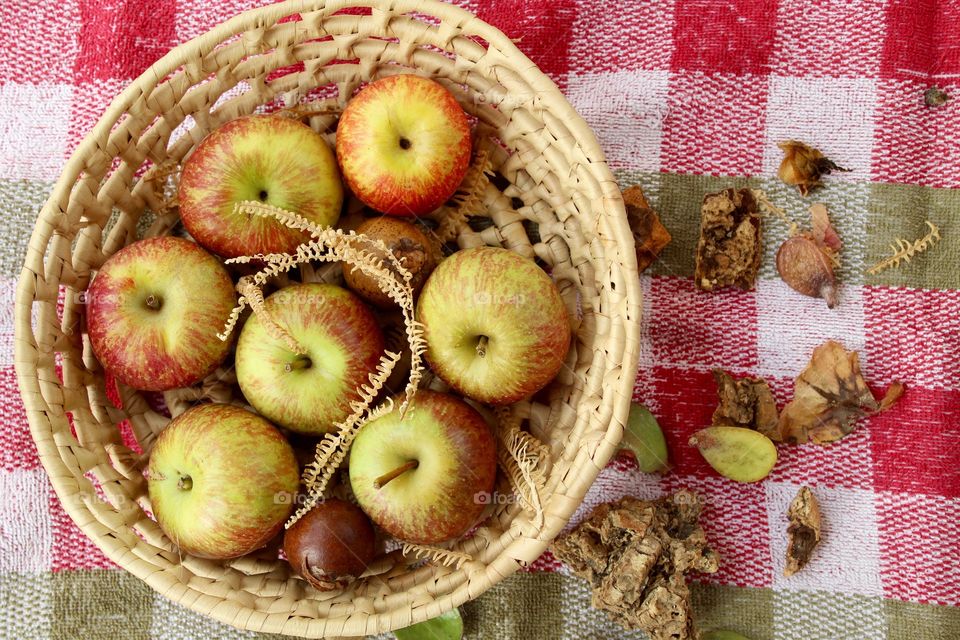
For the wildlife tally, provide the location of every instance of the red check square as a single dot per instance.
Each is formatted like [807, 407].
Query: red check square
[916, 444]
[121, 39]
[734, 37]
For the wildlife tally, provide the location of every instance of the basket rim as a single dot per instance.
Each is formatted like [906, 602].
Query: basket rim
[63, 478]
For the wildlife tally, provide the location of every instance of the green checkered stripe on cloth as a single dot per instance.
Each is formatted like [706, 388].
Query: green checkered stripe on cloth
[687, 97]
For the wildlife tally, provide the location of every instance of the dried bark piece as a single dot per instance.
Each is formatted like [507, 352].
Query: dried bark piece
[635, 553]
[803, 533]
[805, 261]
[747, 402]
[728, 252]
[649, 234]
[829, 396]
[803, 166]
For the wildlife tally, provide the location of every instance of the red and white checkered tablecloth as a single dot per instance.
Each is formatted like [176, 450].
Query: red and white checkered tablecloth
[686, 97]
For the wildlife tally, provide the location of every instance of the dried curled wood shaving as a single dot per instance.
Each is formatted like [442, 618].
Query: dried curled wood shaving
[467, 200]
[253, 296]
[904, 250]
[435, 555]
[368, 255]
[521, 457]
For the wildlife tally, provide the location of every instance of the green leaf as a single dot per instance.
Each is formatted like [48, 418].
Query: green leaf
[723, 635]
[644, 438]
[447, 626]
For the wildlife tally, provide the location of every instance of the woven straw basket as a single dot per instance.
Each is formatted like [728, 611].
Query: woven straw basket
[552, 197]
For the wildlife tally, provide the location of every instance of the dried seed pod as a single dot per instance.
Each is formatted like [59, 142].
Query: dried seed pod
[806, 268]
[331, 545]
[740, 454]
[803, 166]
[644, 438]
[804, 530]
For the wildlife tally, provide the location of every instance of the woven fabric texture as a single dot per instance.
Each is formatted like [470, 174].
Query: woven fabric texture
[687, 97]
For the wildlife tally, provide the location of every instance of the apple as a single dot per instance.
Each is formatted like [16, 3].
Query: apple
[330, 545]
[496, 327]
[221, 481]
[154, 310]
[270, 159]
[426, 477]
[403, 143]
[309, 392]
[411, 246]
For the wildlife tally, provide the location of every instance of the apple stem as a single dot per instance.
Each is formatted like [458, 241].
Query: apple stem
[482, 346]
[300, 362]
[153, 302]
[399, 471]
[185, 483]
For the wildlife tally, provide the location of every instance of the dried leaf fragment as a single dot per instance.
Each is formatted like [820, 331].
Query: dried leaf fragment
[935, 97]
[805, 261]
[829, 395]
[729, 251]
[747, 402]
[803, 532]
[743, 455]
[635, 554]
[803, 166]
[649, 234]
[643, 437]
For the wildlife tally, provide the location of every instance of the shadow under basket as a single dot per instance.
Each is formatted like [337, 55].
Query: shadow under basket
[551, 198]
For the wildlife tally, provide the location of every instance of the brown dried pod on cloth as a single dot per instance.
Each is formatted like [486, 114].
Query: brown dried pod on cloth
[649, 234]
[806, 261]
[803, 532]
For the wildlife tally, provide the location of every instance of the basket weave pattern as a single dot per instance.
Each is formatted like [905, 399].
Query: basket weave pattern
[312, 56]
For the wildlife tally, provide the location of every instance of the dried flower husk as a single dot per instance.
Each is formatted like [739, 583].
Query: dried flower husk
[635, 554]
[829, 395]
[803, 532]
[649, 234]
[803, 166]
[729, 249]
[747, 402]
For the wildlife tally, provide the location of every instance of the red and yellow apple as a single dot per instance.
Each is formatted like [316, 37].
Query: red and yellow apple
[425, 477]
[309, 392]
[154, 310]
[403, 143]
[496, 327]
[269, 159]
[221, 480]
